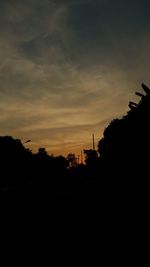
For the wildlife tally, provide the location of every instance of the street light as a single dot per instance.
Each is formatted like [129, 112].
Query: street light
[27, 142]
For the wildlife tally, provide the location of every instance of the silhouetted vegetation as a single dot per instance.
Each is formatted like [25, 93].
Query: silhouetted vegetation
[126, 141]
[120, 166]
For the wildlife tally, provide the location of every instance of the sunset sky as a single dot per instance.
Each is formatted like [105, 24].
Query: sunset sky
[68, 67]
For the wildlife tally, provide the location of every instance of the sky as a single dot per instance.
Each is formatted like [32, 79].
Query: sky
[67, 68]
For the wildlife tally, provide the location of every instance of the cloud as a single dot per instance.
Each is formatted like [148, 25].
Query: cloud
[68, 67]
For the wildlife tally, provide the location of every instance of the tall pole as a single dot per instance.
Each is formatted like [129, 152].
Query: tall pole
[93, 142]
[81, 157]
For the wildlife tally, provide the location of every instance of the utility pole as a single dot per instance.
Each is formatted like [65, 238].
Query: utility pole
[93, 141]
[81, 157]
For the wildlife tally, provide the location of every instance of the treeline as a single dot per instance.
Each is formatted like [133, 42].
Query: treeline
[22, 170]
[19, 165]
[121, 161]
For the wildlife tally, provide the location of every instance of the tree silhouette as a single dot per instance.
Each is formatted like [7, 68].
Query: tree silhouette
[14, 160]
[91, 157]
[42, 154]
[125, 145]
[72, 160]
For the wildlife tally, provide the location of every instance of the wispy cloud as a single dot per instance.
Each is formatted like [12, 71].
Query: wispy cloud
[67, 68]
